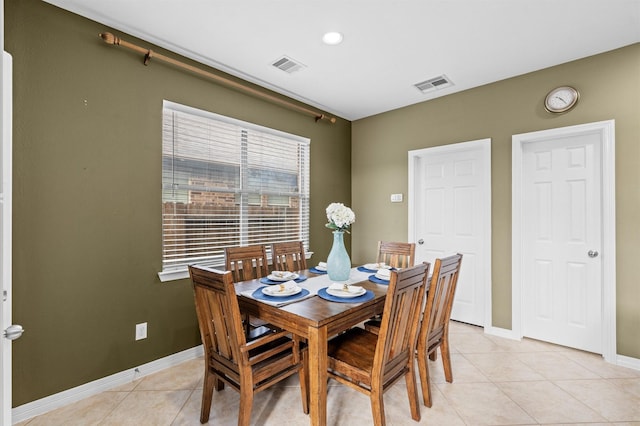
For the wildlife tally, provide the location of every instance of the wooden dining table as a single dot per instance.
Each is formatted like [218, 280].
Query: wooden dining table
[317, 320]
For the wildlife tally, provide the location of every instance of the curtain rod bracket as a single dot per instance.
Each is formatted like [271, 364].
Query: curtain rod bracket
[331, 120]
[148, 54]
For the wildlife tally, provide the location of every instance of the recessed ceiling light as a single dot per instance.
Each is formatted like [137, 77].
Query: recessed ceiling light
[332, 38]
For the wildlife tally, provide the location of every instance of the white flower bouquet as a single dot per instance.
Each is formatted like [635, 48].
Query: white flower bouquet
[340, 217]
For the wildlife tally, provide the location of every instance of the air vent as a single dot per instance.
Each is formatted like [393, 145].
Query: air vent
[434, 84]
[287, 64]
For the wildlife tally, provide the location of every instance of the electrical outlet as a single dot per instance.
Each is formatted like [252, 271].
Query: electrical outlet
[396, 198]
[141, 331]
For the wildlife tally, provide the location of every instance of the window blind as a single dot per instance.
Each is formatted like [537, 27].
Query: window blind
[228, 183]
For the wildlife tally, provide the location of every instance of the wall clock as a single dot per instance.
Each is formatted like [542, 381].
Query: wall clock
[561, 99]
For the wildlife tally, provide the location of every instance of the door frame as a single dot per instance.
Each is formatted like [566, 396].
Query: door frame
[6, 233]
[607, 157]
[484, 145]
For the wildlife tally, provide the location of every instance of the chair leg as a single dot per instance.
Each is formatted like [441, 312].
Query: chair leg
[425, 381]
[210, 381]
[377, 408]
[247, 324]
[246, 403]
[446, 360]
[412, 392]
[304, 382]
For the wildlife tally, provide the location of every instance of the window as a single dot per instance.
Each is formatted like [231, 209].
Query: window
[228, 183]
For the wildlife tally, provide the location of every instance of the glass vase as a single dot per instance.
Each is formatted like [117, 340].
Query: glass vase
[338, 262]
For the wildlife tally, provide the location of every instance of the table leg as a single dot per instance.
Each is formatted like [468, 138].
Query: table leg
[318, 375]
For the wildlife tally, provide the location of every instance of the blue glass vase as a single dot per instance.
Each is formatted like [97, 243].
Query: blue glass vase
[338, 262]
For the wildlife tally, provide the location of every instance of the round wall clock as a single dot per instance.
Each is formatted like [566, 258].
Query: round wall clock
[561, 99]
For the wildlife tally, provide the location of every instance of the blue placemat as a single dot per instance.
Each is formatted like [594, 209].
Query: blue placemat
[377, 280]
[317, 271]
[364, 298]
[259, 295]
[266, 280]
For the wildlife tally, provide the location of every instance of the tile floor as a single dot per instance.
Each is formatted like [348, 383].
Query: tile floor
[496, 382]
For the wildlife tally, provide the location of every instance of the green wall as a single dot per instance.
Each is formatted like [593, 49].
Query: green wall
[609, 85]
[87, 201]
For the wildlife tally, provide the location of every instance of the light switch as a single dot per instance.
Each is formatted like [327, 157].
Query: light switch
[396, 198]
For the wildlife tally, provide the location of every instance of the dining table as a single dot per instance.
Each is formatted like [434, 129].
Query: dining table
[316, 319]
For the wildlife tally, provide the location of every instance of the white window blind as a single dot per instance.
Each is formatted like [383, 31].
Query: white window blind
[228, 183]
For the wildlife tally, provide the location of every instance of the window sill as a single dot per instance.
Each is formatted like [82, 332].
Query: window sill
[180, 274]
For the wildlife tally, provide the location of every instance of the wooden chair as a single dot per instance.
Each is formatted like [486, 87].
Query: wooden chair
[289, 256]
[398, 255]
[246, 366]
[434, 330]
[248, 263]
[371, 363]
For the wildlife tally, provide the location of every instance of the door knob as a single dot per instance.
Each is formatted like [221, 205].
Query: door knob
[421, 241]
[593, 253]
[13, 332]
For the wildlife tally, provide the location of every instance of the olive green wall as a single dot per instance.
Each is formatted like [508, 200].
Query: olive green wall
[610, 89]
[87, 202]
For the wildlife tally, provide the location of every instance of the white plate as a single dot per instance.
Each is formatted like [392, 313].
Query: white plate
[321, 268]
[376, 266]
[345, 294]
[382, 277]
[274, 291]
[291, 276]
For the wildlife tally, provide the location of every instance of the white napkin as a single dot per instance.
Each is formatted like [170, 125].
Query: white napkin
[322, 266]
[349, 289]
[283, 274]
[284, 287]
[383, 274]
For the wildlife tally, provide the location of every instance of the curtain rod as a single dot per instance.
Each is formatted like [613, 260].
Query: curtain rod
[148, 54]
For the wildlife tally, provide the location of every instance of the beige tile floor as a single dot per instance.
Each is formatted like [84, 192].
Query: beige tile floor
[496, 382]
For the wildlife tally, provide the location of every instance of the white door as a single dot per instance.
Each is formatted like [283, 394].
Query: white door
[450, 212]
[561, 231]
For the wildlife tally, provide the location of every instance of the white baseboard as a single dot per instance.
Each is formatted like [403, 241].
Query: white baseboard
[46, 404]
[625, 361]
[500, 332]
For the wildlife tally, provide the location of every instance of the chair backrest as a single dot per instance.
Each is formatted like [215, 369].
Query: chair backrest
[396, 254]
[437, 313]
[246, 263]
[218, 313]
[400, 320]
[289, 256]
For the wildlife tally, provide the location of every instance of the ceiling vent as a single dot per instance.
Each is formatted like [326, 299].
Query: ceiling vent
[434, 84]
[287, 64]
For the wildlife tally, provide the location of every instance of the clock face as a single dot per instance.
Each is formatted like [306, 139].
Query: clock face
[561, 99]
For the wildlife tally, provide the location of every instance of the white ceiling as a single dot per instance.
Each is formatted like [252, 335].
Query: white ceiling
[388, 45]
